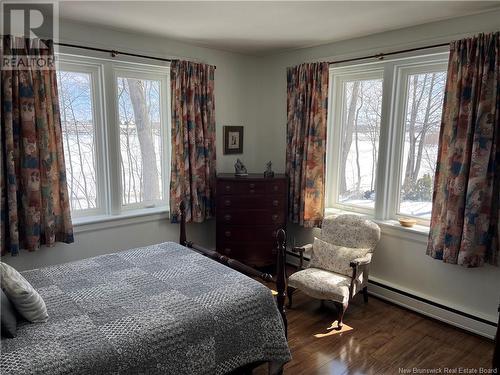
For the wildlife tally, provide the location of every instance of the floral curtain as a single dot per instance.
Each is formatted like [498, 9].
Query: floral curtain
[307, 106]
[193, 141]
[464, 223]
[34, 201]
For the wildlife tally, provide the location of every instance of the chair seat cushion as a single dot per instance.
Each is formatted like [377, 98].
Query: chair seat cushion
[321, 284]
[335, 258]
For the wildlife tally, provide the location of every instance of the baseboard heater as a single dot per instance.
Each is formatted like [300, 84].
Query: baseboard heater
[424, 306]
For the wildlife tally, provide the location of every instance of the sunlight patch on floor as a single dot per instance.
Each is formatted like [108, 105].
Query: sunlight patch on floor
[333, 330]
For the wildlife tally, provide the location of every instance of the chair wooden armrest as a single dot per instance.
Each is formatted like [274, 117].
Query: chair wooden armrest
[361, 261]
[355, 264]
[301, 250]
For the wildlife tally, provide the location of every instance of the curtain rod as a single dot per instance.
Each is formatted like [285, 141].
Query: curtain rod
[381, 56]
[114, 53]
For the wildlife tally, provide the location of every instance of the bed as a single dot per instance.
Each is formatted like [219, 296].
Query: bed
[161, 309]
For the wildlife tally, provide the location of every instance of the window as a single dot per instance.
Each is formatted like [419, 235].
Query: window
[77, 90]
[139, 107]
[357, 111]
[125, 146]
[423, 107]
[360, 129]
[384, 122]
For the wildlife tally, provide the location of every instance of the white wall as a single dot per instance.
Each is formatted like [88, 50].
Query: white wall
[121, 236]
[399, 261]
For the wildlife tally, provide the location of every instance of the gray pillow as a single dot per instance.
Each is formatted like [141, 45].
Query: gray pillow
[334, 258]
[8, 317]
[21, 294]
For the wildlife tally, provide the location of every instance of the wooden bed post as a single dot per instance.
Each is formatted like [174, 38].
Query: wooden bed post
[496, 354]
[182, 239]
[281, 277]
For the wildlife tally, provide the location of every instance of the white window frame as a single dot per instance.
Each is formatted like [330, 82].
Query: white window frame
[98, 114]
[338, 77]
[402, 73]
[392, 130]
[161, 75]
[107, 137]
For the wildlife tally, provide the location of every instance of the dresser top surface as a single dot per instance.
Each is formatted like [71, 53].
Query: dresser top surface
[250, 177]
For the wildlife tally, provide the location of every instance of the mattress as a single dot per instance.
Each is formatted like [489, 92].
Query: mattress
[161, 309]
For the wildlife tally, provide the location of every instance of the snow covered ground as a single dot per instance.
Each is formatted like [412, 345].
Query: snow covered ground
[421, 210]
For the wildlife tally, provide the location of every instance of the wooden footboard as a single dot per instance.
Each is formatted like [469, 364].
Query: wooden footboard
[279, 279]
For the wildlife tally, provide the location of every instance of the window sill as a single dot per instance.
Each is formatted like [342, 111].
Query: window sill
[99, 222]
[417, 233]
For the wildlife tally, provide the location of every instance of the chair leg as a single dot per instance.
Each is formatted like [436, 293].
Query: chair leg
[365, 294]
[341, 307]
[289, 292]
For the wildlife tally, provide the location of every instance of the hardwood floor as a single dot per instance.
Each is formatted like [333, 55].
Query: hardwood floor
[377, 338]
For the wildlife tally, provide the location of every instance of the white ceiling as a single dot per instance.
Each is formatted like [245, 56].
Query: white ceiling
[259, 28]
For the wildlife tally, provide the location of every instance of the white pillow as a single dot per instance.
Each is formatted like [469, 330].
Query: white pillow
[334, 258]
[21, 294]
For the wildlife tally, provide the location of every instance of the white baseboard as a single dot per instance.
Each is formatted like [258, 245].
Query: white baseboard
[427, 309]
[431, 311]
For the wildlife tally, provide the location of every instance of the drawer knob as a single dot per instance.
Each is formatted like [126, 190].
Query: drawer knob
[252, 191]
[275, 187]
[275, 217]
[275, 203]
[227, 217]
[228, 187]
[227, 250]
[227, 203]
[227, 233]
[252, 186]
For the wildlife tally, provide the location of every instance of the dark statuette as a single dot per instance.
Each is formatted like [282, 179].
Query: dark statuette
[239, 169]
[269, 171]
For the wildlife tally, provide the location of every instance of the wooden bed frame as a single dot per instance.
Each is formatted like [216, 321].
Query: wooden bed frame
[496, 354]
[279, 279]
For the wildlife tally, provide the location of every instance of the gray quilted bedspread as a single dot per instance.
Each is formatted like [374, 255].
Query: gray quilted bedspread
[162, 309]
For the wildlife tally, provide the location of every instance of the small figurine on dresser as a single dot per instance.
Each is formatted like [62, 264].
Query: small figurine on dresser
[239, 169]
[268, 173]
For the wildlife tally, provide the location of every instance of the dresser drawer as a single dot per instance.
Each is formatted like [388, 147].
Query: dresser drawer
[249, 201]
[231, 249]
[247, 233]
[252, 217]
[276, 187]
[242, 187]
[254, 254]
[227, 187]
[251, 188]
[276, 202]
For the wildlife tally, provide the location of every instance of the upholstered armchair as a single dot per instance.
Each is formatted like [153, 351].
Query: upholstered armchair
[340, 260]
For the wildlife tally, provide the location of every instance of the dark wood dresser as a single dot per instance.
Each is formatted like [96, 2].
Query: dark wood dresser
[249, 212]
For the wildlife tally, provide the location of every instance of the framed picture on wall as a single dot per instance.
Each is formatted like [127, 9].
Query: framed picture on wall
[233, 140]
